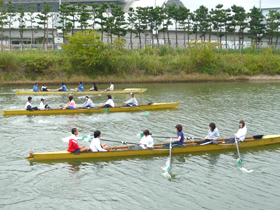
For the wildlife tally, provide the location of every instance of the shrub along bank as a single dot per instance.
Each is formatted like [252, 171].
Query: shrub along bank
[87, 57]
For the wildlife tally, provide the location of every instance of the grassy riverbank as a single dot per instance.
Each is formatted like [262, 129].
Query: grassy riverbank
[138, 66]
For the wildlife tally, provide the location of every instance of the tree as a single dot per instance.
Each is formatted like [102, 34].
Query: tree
[218, 18]
[31, 19]
[102, 19]
[256, 25]
[43, 20]
[64, 24]
[185, 22]
[227, 20]
[83, 15]
[11, 13]
[154, 21]
[201, 15]
[120, 25]
[52, 16]
[72, 10]
[3, 21]
[22, 23]
[168, 12]
[272, 25]
[131, 24]
[240, 17]
[140, 25]
[93, 13]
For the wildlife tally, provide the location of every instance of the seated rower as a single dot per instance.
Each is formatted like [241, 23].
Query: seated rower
[35, 87]
[109, 103]
[180, 136]
[132, 101]
[62, 88]
[146, 142]
[73, 143]
[95, 145]
[111, 88]
[94, 88]
[81, 87]
[241, 133]
[71, 104]
[213, 135]
[42, 104]
[28, 104]
[44, 88]
[88, 103]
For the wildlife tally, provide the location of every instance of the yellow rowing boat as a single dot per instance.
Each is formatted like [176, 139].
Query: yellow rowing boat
[116, 91]
[153, 106]
[189, 146]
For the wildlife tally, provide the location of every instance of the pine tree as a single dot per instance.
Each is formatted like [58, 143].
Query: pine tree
[131, 24]
[185, 22]
[169, 12]
[83, 15]
[93, 13]
[256, 25]
[218, 18]
[22, 24]
[120, 25]
[140, 25]
[11, 13]
[201, 15]
[63, 20]
[3, 21]
[31, 19]
[43, 20]
[272, 25]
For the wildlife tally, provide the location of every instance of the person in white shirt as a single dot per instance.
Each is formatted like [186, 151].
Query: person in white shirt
[28, 105]
[132, 101]
[44, 88]
[146, 142]
[212, 136]
[109, 103]
[241, 133]
[88, 103]
[111, 88]
[42, 104]
[95, 145]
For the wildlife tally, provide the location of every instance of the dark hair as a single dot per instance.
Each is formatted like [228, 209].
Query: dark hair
[212, 126]
[96, 133]
[62, 83]
[87, 97]
[93, 83]
[146, 132]
[36, 83]
[42, 99]
[74, 130]
[109, 96]
[179, 127]
[81, 82]
[242, 122]
[29, 98]
[43, 84]
[111, 82]
[70, 98]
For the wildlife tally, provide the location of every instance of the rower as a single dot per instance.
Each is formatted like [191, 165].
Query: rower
[95, 145]
[62, 88]
[44, 88]
[179, 141]
[73, 146]
[146, 142]
[44, 106]
[213, 135]
[132, 101]
[241, 133]
[109, 103]
[28, 105]
[88, 103]
[35, 87]
[94, 88]
[81, 87]
[71, 104]
[111, 88]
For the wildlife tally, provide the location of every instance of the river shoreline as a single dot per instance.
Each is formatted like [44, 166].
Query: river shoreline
[141, 78]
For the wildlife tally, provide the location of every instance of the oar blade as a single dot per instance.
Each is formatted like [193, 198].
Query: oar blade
[239, 162]
[147, 112]
[106, 111]
[168, 168]
[141, 135]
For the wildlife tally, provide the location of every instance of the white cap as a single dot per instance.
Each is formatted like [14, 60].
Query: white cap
[42, 99]
[131, 94]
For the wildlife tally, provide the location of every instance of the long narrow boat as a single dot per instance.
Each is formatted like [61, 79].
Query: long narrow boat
[189, 146]
[116, 91]
[98, 109]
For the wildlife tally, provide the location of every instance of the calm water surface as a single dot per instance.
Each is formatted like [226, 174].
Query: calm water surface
[205, 180]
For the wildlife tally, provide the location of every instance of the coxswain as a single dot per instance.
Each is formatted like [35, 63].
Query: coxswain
[73, 146]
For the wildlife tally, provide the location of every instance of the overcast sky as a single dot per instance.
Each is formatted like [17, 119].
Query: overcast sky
[247, 4]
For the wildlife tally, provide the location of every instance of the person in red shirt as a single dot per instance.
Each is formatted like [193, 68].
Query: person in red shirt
[73, 143]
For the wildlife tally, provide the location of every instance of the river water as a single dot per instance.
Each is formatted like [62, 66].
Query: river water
[205, 180]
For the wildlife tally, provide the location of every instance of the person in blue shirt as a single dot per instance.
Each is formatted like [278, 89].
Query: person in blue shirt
[180, 136]
[35, 87]
[81, 87]
[63, 87]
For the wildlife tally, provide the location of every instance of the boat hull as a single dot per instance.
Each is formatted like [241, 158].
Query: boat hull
[189, 146]
[126, 90]
[154, 106]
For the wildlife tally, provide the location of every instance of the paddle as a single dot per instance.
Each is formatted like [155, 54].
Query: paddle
[123, 142]
[240, 160]
[169, 167]
[146, 112]
[102, 92]
[166, 137]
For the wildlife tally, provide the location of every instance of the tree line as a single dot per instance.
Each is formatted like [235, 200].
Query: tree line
[143, 22]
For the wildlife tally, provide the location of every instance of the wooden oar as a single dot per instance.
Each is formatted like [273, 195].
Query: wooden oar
[102, 92]
[169, 167]
[165, 137]
[146, 112]
[240, 160]
[123, 142]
